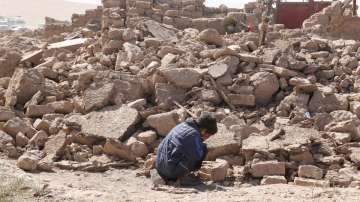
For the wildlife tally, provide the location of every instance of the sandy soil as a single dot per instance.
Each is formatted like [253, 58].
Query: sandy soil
[124, 185]
[34, 11]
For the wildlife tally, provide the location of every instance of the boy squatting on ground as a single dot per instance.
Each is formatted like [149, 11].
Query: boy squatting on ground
[183, 151]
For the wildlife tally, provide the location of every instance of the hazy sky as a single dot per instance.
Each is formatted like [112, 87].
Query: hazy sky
[229, 3]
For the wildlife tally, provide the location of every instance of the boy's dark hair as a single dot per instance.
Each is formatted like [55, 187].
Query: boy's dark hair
[207, 121]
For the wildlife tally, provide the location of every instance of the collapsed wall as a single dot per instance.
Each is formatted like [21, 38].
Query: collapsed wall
[180, 14]
[335, 21]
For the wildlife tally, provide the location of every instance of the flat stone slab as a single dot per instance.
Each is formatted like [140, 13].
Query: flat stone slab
[111, 122]
[72, 44]
[160, 31]
[222, 143]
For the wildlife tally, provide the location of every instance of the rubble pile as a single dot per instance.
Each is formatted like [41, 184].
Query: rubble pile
[288, 112]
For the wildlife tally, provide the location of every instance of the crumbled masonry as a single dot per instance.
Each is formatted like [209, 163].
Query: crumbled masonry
[105, 87]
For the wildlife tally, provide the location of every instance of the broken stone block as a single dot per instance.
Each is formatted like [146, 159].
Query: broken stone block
[71, 45]
[38, 110]
[262, 169]
[232, 120]
[6, 114]
[242, 100]
[182, 77]
[129, 35]
[134, 53]
[5, 139]
[211, 37]
[337, 179]
[97, 97]
[39, 139]
[111, 122]
[168, 59]
[224, 142]
[273, 180]
[152, 42]
[21, 140]
[147, 137]
[215, 171]
[164, 122]
[165, 50]
[40, 124]
[55, 146]
[8, 62]
[341, 138]
[218, 70]
[166, 94]
[33, 58]
[29, 160]
[355, 156]
[23, 85]
[266, 85]
[323, 102]
[160, 31]
[250, 58]
[280, 71]
[139, 149]
[355, 108]
[319, 54]
[310, 171]
[311, 182]
[16, 125]
[119, 149]
[270, 55]
[62, 107]
[210, 96]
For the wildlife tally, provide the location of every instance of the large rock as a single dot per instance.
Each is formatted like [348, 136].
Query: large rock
[166, 94]
[23, 85]
[119, 149]
[311, 182]
[182, 77]
[242, 100]
[111, 122]
[6, 114]
[218, 70]
[310, 171]
[327, 102]
[62, 107]
[273, 180]
[97, 97]
[8, 62]
[39, 139]
[29, 160]
[160, 31]
[262, 169]
[292, 139]
[211, 36]
[39, 110]
[5, 139]
[16, 125]
[214, 170]
[266, 85]
[164, 122]
[55, 147]
[134, 53]
[224, 142]
[355, 156]
[147, 137]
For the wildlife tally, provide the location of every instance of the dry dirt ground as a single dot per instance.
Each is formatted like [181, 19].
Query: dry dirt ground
[124, 185]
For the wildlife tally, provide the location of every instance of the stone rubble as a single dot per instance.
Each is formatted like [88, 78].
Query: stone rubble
[104, 91]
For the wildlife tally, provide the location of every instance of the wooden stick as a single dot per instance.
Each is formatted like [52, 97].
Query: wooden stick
[221, 93]
[187, 111]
